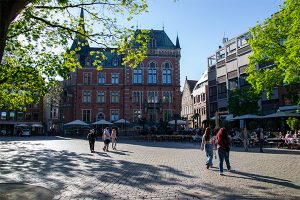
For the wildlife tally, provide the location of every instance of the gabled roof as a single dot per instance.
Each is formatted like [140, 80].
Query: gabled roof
[191, 84]
[162, 39]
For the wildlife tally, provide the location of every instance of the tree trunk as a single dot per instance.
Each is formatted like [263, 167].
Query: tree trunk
[9, 9]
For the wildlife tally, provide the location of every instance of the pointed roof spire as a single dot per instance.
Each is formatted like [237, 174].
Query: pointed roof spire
[177, 42]
[81, 41]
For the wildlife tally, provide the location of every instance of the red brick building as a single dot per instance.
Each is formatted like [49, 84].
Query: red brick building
[150, 91]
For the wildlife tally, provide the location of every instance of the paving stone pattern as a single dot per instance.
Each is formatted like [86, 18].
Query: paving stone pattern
[146, 170]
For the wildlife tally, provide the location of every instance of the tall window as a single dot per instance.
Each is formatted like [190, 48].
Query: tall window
[115, 78]
[167, 114]
[86, 96]
[114, 115]
[101, 78]
[166, 74]
[87, 78]
[86, 115]
[137, 96]
[167, 97]
[3, 115]
[100, 97]
[152, 73]
[152, 97]
[137, 76]
[114, 97]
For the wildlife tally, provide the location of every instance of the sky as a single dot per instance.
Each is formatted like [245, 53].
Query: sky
[202, 24]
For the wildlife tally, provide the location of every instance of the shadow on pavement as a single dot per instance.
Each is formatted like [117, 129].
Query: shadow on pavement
[268, 151]
[160, 144]
[266, 179]
[63, 169]
[33, 138]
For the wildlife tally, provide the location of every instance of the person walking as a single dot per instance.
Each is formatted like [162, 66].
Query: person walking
[114, 139]
[207, 144]
[223, 141]
[261, 139]
[246, 139]
[106, 138]
[92, 138]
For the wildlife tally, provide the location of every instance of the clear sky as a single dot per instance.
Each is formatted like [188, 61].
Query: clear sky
[201, 24]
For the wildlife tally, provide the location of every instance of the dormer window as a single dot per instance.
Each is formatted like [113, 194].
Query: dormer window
[152, 42]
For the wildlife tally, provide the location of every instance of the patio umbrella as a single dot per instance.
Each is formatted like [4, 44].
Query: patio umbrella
[102, 122]
[76, 122]
[247, 116]
[37, 125]
[179, 122]
[21, 125]
[282, 114]
[121, 121]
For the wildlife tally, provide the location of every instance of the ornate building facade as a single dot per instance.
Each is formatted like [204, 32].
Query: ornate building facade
[150, 91]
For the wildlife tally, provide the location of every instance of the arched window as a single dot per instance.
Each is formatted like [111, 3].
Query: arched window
[100, 116]
[152, 73]
[167, 74]
[138, 75]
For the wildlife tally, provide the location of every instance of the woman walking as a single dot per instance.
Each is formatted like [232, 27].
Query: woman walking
[207, 143]
[106, 139]
[223, 142]
[114, 139]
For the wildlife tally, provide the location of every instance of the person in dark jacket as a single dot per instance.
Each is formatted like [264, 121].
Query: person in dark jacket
[92, 138]
[223, 144]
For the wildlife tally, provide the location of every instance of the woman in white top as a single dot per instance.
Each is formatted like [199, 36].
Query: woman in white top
[106, 139]
[207, 143]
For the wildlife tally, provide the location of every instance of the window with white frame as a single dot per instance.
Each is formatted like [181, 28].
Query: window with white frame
[152, 73]
[101, 78]
[114, 115]
[167, 97]
[87, 78]
[167, 74]
[138, 75]
[100, 97]
[114, 97]
[86, 96]
[115, 78]
[137, 96]
[152, 97]
[86, 115]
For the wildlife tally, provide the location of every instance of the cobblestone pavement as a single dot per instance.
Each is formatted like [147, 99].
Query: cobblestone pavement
[146, 170]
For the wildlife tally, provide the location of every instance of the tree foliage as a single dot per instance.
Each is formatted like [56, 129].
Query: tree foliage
[276, 44]
[37, 43]
[243, 101]
[293, 123]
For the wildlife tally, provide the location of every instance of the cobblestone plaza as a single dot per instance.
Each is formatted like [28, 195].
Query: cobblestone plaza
[146, 170]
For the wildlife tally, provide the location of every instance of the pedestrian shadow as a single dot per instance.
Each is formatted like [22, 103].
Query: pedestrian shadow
[51, 167]
[266, 179]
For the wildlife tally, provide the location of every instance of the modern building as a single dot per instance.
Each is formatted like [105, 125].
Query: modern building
[150, 91]
[187, 102]
[200, 98]
[226, 71]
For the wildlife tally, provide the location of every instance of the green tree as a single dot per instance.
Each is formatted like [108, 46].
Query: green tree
[35, 36]
[276, 43]
[293, 123]
[243, 101]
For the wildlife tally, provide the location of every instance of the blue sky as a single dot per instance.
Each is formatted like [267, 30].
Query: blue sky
[201, 25]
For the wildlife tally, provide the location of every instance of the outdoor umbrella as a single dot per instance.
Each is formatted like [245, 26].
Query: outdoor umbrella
[76, 122]
[21, 125]
[179, 122]
[102, 122]
[122, 121]
[282, 114]
[247, 116]
[37, 125]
